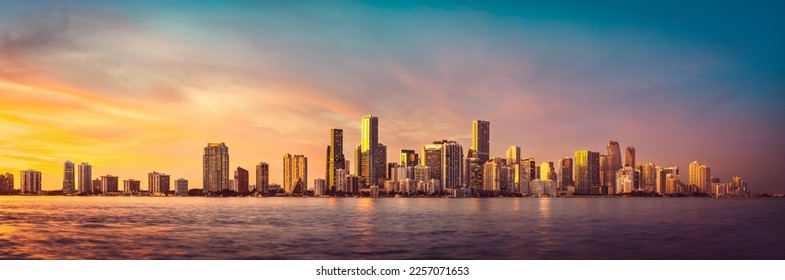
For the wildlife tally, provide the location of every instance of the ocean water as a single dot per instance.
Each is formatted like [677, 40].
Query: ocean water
[389, 228]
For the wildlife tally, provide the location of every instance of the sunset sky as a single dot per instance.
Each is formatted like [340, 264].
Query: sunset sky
[143, 86]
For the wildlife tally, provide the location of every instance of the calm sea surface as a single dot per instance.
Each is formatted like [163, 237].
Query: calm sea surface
[410, 228]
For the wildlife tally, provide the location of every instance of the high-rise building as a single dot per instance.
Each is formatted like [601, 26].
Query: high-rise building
[158, 183]
[513, 155]
[547, 172]
[181, 187]
[215, 173]
[529, 170]
[432, 157]
[381, 162]
[624, 180]
[445, 160]
[109, 184]
[319, 187]
[649, 177]
[295, 174]
[409, 158]
[565, 174]
[481, 139]
[131, 186]
[474, 169]
[340, 180]
[335, 158]
[6, 183]
[587, 172]
[629, 157]
[96, 186]
[30, 181]
[700, 177]
[452, 165]
[422, 173]
[604, 171]
[614, 163]
[241, 180]
[69, 179]
[262, 177]
[85, 178]
[369, 141]
[490, 176]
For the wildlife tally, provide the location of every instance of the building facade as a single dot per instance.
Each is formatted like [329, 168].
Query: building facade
[215, 168]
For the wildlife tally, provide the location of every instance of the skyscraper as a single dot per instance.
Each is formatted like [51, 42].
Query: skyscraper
[452, 165]
[380, 164]
[85, 178]
[432, 157]
[295, 174]
[368, 144]
[262, 177]
[335, 158]
[630, 157]
[30, 181]
[241, 180]
[587, 171]
[409, 158]
[565, 174]
[69, 180]
[547, 172]
[513, 155]
[481, 139]
[700, 177]
[491, 177]
[215, 172]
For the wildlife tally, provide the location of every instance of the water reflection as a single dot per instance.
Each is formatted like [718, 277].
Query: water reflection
[348, 228]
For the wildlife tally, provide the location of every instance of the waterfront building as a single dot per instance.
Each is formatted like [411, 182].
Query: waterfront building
[490, 176]
[30, 181]
[630, 156]
[85, 178]
[409, 158]
[625, 180]
[109, 184]
[131, 186]
[335, 158]
[474, 170]
[547, 172]
[481, 139]
[649, 177]
[340, 180]
[181, 187]
[614, 164]
[241, 180]
[96, 187]
[543, 188]
[69, 178]
[215, 168]
[513, 155]
[262, 177]
[699, 177]
[6, 183]
[295, 173]
[353, 184]
[369, 142]
[319, 187]
[158, 183]
[587, 172]
[565, 174]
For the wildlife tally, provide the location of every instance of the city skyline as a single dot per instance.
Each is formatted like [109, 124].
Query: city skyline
[548, 81]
